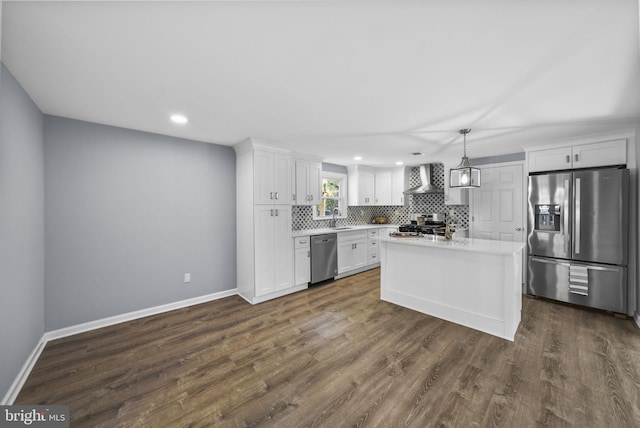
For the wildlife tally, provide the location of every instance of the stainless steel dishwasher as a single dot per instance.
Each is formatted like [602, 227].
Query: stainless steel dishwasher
[324, 257]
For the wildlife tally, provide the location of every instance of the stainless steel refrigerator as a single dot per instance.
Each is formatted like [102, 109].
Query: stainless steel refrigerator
[578, 237]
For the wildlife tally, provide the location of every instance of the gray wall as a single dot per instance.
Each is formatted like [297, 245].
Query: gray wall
[637, 220]
[127, 214]
[21, 228]
[331, 167]
[511, 157]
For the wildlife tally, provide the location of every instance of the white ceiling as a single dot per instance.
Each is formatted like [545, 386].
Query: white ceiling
[380, 79]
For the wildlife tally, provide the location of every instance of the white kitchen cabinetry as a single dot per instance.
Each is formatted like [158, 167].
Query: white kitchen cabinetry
[398, 186]
[265, 267]
[372, 245]
[361, 185]
[308, 183]
[272, 179]
[352, 251]
[302, 260]
[273, 252]
[579, 156]
[382, 187]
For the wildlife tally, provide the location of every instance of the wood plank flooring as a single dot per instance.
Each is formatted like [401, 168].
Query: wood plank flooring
[337, 356]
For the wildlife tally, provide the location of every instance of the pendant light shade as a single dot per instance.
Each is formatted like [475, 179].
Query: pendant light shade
[464, 175]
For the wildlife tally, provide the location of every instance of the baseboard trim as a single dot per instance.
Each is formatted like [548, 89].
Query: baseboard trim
[636, 317]
[22, 376]
[130, 316]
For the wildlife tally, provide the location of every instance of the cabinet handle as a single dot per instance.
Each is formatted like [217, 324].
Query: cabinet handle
[518, 229]
[568, 158]
[293, 197]
[576, 158]
[308, 253]
[276, 195]
[271, 212]
[311, 197]
[270, 195]
[277, 213]
[402, 199]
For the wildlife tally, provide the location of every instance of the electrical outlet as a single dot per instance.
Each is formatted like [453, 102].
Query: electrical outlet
[187, 277]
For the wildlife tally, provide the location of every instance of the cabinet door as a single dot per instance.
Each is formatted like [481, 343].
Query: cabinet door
[549, 160]
[345, 257]
[360, 254]
[302, 183]
[315, 183]
[264, 254]
[383, 188]
[366, 188]
[281, 248]
[263, 177]
[600, 154]
[281, 172]
[397, 186]
[302, 266]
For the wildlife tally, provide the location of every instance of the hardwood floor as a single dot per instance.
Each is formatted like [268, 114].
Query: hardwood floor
[337, 356]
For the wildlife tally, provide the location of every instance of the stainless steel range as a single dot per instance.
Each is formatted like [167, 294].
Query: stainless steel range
[425, 224]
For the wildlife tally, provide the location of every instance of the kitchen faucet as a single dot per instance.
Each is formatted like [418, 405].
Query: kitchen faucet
[333, 218]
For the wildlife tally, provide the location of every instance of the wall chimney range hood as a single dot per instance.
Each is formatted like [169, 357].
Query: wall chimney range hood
[425, 183]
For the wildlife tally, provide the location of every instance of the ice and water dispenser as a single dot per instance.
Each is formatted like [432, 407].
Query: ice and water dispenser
[547, 218]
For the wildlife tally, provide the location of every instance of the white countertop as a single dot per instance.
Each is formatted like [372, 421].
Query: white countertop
[460, 244]
[308, 232]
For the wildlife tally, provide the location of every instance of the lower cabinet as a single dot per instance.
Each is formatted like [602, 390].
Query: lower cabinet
[273, 251]
[373, 244]
[352, 251]
[302, 260]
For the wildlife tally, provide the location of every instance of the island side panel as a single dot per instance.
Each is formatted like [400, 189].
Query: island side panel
[465, 287]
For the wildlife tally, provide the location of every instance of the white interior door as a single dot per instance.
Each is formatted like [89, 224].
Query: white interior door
[498, 205]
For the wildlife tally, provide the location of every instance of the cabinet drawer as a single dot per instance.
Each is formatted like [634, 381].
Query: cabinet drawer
[350, 236]
[373, 244]
[373, 233]
[373, 256]
[301, 242]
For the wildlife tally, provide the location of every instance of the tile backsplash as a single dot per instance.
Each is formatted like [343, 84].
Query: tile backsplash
[302, 216]
[427, 203]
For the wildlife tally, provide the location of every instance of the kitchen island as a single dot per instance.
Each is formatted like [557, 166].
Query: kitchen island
[473, 282]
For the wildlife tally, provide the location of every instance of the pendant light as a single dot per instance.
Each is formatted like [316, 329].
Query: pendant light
[464, 175]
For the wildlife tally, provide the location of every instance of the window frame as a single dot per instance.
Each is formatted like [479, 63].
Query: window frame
[342, 201]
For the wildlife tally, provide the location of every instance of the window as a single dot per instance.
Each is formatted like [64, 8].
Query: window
[334, 195]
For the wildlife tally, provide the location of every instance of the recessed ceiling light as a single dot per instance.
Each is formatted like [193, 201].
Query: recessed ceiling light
[399, 163]
[179, 119]
[357, 158]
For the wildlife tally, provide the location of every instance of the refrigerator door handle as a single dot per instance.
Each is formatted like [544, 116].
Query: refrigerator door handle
[577, 221]
[565, 214]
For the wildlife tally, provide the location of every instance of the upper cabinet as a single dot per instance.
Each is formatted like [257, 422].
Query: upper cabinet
[272, 177]
[308, 182]
[376, 186]
[578, 156]
[399, 183]
[382, 185]
[361, 185]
